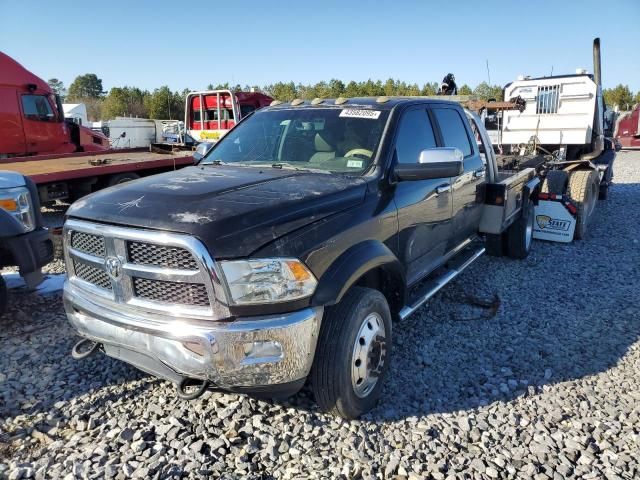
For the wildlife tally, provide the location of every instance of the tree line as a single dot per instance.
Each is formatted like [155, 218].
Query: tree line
[163, 103]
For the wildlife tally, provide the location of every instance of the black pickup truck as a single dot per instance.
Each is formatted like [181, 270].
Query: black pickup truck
[287, 253]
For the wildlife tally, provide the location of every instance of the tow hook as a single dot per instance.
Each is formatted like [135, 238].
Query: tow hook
[183, 389]
[84, 348]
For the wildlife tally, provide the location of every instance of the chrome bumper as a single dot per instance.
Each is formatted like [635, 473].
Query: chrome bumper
[248, 352]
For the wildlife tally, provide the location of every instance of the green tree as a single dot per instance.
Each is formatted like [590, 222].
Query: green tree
[125, 101]
[85, 86]
[285, 92]
[165, 104]
[465, 90]
[620, 96]
[430, 89]
[488, 92]
[57, 86]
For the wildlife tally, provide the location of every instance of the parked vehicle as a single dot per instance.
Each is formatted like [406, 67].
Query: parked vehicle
[286, 253]
[627, 130]
[210, 114]
[32, 118]
[24, 242]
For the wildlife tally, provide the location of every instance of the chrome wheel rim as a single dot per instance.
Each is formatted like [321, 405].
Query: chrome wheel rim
[369, 352]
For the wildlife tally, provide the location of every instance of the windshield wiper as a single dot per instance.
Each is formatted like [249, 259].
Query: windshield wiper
[284, 165]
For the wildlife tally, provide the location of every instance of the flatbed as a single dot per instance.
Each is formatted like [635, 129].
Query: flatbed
[76, 174]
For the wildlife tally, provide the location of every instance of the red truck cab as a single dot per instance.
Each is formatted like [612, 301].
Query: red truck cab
[627, 131]
[212, 113]
[32, 120]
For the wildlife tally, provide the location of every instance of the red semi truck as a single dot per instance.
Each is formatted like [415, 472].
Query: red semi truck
[628, 129]
[32, 120]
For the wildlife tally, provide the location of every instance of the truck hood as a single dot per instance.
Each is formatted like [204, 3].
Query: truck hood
[233, 210]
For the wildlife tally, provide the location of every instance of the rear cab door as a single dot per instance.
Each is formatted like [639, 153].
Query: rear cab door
[454, 131]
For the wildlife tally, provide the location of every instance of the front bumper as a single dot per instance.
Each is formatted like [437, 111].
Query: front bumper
[30, 252]
[247, 354]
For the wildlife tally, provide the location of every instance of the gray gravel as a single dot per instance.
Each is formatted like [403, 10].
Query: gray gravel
[546, 385]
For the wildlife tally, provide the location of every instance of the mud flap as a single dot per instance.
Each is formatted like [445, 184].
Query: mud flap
[554, 218]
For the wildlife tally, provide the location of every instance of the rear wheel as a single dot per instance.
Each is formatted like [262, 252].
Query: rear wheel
[3, 296]
[352, 357]
[520, 234]
[556, 182]
[583, 190]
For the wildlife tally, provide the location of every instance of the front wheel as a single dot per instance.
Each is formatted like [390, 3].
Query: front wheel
[353, 352]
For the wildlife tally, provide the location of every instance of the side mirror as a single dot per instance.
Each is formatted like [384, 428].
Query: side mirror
[201, 151]
[432, 163]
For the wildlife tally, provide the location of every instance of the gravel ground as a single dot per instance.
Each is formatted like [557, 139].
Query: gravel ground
[546, 385]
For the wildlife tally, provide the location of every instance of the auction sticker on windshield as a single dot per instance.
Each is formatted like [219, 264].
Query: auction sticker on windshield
[357, 113]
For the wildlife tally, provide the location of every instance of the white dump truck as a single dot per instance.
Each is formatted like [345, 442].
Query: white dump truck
[560, 131]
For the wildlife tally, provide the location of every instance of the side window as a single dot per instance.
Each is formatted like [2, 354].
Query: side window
[37, 107]
[452, 128]
[415, 135]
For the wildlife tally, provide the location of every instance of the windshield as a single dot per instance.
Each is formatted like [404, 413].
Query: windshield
[341, 140]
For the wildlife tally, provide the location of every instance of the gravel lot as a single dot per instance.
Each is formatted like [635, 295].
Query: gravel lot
[545, 386]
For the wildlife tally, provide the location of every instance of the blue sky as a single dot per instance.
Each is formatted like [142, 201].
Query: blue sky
[190, 44]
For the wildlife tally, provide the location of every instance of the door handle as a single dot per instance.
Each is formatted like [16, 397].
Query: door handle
[479, 173]
[443, 188]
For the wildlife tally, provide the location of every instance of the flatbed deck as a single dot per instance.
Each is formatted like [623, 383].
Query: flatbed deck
[55, 168]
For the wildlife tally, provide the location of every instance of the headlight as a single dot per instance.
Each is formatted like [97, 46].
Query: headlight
[267, 280]
[17, 201]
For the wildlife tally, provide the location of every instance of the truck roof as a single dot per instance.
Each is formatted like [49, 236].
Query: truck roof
[379, 103]
[15, 75]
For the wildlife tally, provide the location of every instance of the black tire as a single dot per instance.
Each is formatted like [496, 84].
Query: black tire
[121, 178]
[344, 327]
[494, 244]
[583, 190]
[520, 234]
[4, 296]
[556, 182]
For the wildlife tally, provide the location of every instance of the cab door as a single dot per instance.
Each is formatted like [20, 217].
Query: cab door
[467, 207]
[424, 206]
[43, 132]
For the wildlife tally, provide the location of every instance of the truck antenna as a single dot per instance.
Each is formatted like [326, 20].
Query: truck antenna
[488, 73]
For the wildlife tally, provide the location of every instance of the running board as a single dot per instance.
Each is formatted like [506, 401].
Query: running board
[432, 286]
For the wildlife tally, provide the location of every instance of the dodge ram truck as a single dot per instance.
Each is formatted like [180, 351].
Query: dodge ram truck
[288, 252]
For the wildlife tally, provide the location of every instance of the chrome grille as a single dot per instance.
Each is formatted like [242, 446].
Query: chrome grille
[171, 292]
[139, 270]
[88, 243]
[161, 256]
[92, 275]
